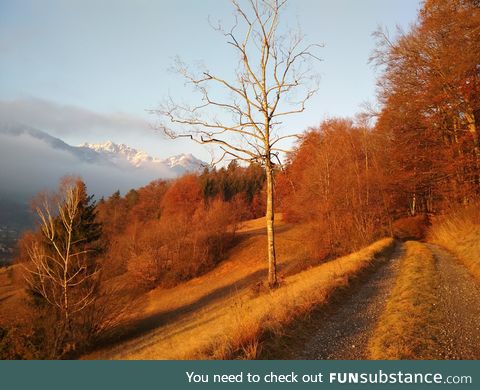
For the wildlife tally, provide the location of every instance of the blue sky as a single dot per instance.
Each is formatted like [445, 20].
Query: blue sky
[88, 70]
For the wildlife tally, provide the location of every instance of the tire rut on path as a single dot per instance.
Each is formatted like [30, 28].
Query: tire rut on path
[345, 333]
[459, 301]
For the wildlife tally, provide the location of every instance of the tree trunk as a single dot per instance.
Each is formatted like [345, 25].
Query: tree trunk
[472, 128]
[272, 261]
[413, 205]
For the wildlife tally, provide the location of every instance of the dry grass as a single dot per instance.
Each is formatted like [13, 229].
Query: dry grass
[15, 317]
[259, 223]
[459, 232]
[12, 296]
[301, 293]
[196, 326]
[408, 327]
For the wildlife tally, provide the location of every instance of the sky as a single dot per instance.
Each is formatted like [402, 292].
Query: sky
[90, 70]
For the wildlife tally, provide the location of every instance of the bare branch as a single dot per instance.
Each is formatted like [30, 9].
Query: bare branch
[59, 271]
[267, 67]
[269, 73]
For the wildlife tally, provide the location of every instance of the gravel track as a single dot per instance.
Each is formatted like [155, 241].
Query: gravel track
[459, 301]
[345, 333]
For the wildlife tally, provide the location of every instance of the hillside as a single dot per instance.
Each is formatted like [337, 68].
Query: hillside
[165, 311]
[390, 300]
[12, 297]
[226, 311]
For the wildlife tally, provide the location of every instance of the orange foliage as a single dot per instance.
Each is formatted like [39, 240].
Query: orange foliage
[183, 197]
[176, 248]
[334, 183]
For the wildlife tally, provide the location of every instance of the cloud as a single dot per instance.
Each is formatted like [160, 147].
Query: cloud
[64, 120]
[30, 165]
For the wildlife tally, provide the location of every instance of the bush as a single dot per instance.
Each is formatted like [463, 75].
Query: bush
[15, 344]
[411, 228]
[179, 247]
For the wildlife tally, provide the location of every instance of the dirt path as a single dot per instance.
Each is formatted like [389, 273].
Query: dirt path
[345, 333]
[459, 297]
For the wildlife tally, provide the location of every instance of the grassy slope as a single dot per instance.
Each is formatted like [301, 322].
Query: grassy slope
[11, 296]
[408, 327]
[459, 232]
[222, 314]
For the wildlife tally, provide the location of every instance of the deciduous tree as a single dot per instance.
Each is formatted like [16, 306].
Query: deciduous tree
[242, 116]
[60, 267]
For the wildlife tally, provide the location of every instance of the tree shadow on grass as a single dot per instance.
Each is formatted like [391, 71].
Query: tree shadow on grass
[140, 327]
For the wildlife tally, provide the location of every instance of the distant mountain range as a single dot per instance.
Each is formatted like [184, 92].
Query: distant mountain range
[32, 160]
[110, 153]
[120, 154]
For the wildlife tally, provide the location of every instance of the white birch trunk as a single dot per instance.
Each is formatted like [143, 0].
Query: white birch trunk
[270, 218]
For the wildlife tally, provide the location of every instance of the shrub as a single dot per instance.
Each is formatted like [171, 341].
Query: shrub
[411, 228]
[179, 247]
[16, 343]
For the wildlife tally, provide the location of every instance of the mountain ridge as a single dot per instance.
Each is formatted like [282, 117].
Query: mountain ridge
[139, 158]
[109, 152]
[33, 160]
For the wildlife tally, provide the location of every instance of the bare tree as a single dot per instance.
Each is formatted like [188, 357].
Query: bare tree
[273, 80]
[59, 270]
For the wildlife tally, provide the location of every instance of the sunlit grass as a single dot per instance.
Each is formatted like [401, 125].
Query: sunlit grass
[234, 325]
[459, 232]
[269, 313]
[408, 327]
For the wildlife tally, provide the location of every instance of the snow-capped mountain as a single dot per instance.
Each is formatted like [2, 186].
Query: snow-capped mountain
[33, 160]
[121, 153]
[185, 161]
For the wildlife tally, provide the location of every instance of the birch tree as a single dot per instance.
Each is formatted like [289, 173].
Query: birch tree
[58, 267]
[242, 115]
